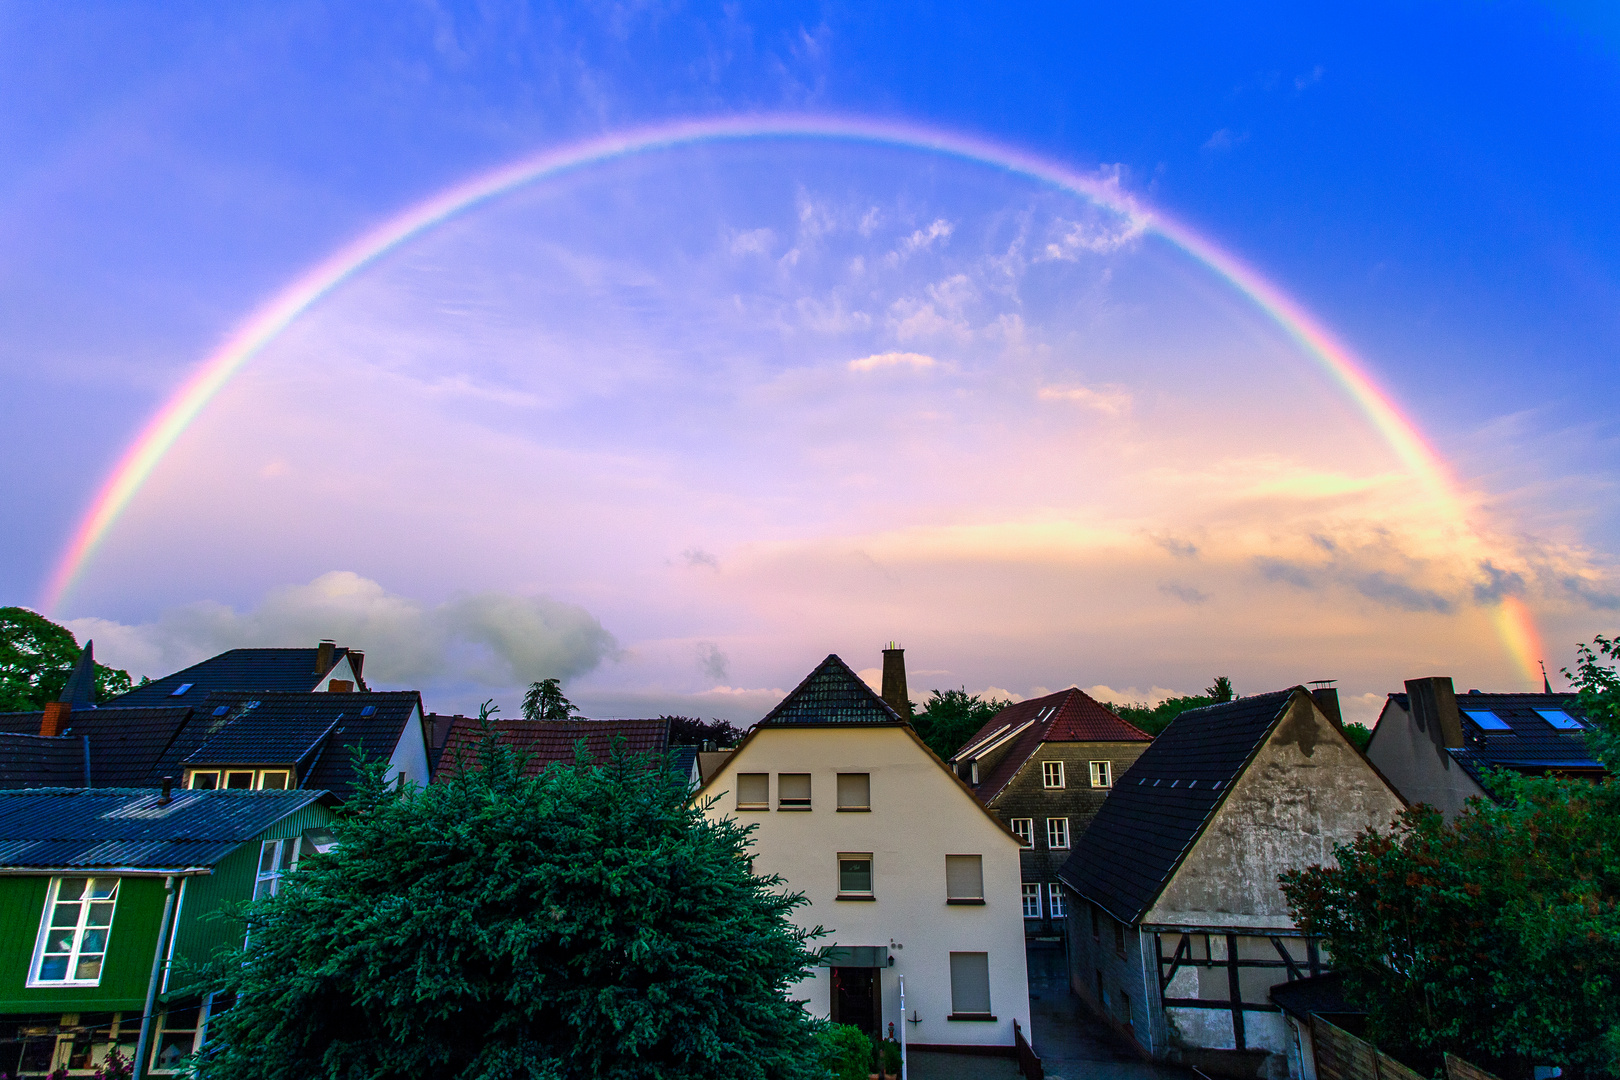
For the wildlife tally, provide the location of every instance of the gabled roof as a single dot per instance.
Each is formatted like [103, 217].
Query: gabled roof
[127, 746]
[1531, 744]
[832, 694]
[1069, 715]
[130, 827]
[1160, 807]
[315, 731]
[547, 742]
[28, 761]
[255, 670]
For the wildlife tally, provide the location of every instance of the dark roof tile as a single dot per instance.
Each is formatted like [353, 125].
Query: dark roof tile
[831, 694]
[28, 761]
[255, 670]
[127, 745]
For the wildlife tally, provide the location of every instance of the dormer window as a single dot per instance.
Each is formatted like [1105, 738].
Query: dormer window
[242, 779]
[1559, 719]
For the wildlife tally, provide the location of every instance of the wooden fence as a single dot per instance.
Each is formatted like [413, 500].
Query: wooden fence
[1342, 1056]
[1029, 1066]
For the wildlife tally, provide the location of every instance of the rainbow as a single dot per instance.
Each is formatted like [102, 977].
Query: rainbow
[1338, 362]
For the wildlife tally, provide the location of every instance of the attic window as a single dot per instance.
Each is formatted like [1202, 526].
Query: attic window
[222, 710]
[368, 710]
[1487, 719]
[1559, 719]
[182, 688]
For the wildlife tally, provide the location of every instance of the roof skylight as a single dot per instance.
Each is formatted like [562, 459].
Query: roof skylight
[1487, 720]
[1559, 719]
[182, 688]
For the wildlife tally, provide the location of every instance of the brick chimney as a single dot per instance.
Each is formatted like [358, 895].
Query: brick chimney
[55, 720]
[894, 681]
[323, 656]
[1434, 708]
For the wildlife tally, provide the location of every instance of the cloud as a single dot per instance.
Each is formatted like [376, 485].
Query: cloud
[1592, 595]
[1497, 584]
[1185, 593]
[712, 662]
[1103, 234]
[491, 639]
[915, 361]
[696, 556]
[1130, 695]
[1111, 399]
[1380, 586]
[753, 242]
[1309, 79]
[923, 239]
[1181, 549]
[1225, 139]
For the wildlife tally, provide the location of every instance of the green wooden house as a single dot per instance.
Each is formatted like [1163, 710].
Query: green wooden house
[104, 891]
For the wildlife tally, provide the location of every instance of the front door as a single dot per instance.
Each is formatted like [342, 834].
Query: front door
[855, 999]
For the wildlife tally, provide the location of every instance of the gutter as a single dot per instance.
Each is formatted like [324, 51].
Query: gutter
[122, 871]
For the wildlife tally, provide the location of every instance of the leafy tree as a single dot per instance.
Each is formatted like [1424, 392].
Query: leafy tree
[1358, 734]
[584, 922]
[36, 658]
[951, 717]
[545, 701]
[1495, 936]
[1155, 718]
[1221, 690]
[690, 731]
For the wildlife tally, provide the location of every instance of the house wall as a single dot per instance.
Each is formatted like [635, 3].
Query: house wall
[919, 815]
[1129, 972]
[197, 938]
[130, 946]
[342, 671]
[1415, 762]
[1027, 796]
[410, 753]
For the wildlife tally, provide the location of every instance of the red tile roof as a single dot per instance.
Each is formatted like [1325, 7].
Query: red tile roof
[1069, 715]
[547, 741]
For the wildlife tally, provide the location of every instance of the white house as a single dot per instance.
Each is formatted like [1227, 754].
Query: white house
[909, 873]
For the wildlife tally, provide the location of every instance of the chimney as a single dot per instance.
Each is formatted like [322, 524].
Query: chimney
[323, 656]
[55, 720]
[1326, 696]
[168, 787]
[1434, 707]
[357, 661]
[894, 680]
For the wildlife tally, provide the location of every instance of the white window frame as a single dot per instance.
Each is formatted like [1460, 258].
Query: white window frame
[1026, 835]
[161, 1028]
[1102, 774]
[1032, 892]
[76, 952]
[1055, 903]
[1052, 776]
[191, 779]
[283, 862]
[259, 777]
[871, 873]
[1054, 825]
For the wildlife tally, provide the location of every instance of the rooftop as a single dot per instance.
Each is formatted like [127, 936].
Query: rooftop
[548, 742]
[256, 670]
[832, 694]
[1018, 731]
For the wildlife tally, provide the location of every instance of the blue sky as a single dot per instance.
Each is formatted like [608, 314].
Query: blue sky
[1434, 182]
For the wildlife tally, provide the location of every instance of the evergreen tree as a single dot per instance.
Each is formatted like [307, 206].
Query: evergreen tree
[545, 701]
[585, 922]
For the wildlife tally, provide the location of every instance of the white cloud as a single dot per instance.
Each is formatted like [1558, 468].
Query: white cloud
[1110, 399]
[915, 361]
[491, 639]
[1225, 139]
[996, 693]
[924, 238]
[1107, 232]
[753, 242]
[1130, 695]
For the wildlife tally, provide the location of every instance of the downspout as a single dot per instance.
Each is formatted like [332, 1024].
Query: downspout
[143, 1043]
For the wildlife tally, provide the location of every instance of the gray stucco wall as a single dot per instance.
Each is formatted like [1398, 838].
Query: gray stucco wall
[1417, 765]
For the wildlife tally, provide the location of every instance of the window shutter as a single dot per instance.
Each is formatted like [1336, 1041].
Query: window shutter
[793, 789]
[964, 877]
[854, 791]
[753, 789]
[970, 982]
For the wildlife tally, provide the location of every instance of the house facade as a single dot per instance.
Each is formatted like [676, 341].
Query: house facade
[1178, 929]
[911, 876]
[103, 890]
[1434, 744]
[1044, 768]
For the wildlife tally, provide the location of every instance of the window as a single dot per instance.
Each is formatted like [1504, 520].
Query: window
[973, 774]
[276, 857]
[1052, 774]
[1487, 719]
[753, 791]
[181, 689]
[1096, 928]
[1119, 937]
[1032, 900]
[1102, 774]
[239, 779]
[176, 1038]
[1559, 719]
[1057, 833]
[1125, 1009]
[276, 780]
[854, 791]
[854, 876]
[204, 781]
[970, 985]
[221, 710]
[1024, 829]
[793, 791]
[1056, 905]
[369, 710]
[964, 879]
[73, 931]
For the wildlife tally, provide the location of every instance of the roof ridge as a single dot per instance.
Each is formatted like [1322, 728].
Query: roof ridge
[834, 666]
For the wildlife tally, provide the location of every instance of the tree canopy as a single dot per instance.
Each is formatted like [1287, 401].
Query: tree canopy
[1155, 718]
[585, 922]
[950, 717]
[545, 701]
[36, 658]
[690, 731]
[1495, 936]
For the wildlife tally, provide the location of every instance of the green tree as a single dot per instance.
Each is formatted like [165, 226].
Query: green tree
[585, 922]
[1358, 734]
[951, 717]
[1495, 936]
[845, 1052]
[36, 658]
[1221, 690]
[545, 701]
[1155, 718]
